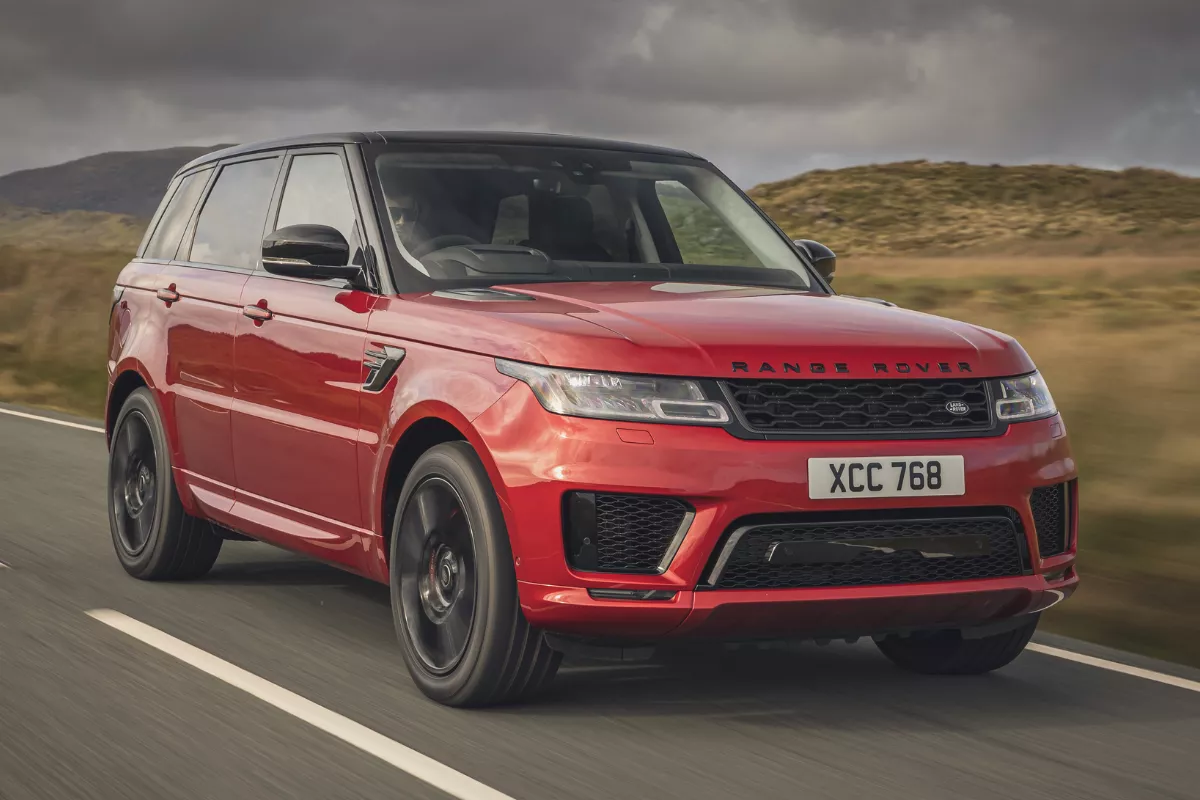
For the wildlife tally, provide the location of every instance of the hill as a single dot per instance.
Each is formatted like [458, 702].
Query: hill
[921, 207]
[130, 183]
[905, 208]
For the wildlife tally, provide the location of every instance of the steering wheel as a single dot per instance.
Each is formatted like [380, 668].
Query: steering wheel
[441, 243]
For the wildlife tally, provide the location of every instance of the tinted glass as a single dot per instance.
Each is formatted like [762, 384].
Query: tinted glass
[230, 229]
[701, 235]
[165, 240]
[512, 220]
[489, 213]
[316, 193]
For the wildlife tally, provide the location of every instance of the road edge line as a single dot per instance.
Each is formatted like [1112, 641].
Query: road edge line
[1114, 666]
[420, 766]
[10, 412]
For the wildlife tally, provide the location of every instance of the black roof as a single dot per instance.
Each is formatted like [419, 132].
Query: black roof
[451, 137]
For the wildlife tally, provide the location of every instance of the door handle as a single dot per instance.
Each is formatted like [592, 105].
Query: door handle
[259, 313]
[168, 295]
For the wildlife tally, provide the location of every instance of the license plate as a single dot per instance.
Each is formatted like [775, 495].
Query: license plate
[885, 476]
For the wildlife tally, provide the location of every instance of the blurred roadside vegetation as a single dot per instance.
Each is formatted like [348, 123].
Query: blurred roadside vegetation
[56, 277]
[1112, 319]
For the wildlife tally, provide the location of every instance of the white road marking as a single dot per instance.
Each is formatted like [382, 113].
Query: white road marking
[51, 420]
[420, 766]
[3, 565]
[1113, 666]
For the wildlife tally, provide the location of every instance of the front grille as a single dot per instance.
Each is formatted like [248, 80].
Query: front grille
[861, 407]
[622, 532]
[742, 563]
[1051, 507]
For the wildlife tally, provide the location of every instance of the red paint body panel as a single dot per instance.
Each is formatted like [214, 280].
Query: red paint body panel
[311, 450]
[199, 367]
[298, 381]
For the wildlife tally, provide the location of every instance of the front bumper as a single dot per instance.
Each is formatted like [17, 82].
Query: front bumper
[537, 457]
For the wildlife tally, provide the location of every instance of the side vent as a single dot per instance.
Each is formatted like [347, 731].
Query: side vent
[381, 363]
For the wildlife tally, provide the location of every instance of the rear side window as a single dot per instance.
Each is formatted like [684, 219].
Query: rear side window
[229, 231]
[316, 194]
[165, 240]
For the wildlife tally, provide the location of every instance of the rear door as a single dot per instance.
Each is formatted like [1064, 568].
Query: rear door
[298, 377]
[203, 289]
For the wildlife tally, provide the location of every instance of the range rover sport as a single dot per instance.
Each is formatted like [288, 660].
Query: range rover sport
[559, 392]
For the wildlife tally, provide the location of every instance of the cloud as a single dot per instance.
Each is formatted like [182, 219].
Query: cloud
[764, 87]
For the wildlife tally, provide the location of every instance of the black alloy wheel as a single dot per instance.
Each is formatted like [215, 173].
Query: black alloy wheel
[134, 483]
[437, 574]
[457, 613]
[154, 537]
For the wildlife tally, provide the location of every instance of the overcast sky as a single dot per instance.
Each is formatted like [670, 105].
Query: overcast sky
[766, 88]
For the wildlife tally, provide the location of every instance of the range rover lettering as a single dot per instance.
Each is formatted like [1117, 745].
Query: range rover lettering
[562, 393]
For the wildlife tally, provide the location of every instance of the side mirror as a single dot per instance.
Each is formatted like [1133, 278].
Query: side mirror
[314, 252]
[822, 257]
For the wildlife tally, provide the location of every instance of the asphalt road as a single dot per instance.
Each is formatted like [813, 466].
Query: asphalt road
[86, 711]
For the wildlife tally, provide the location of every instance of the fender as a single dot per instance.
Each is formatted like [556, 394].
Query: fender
[453, 387]
[430, 409]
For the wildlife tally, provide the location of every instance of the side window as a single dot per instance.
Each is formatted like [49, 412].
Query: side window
[316, 194]
[512, 220]
[165, 240]
[702, 236]
[229, 231]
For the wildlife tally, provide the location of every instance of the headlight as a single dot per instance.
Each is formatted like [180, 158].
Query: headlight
[1023, 398]
[603, 395]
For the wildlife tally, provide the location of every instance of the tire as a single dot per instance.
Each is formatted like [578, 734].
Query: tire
[154, 537]
[454, 590]
[948, 653]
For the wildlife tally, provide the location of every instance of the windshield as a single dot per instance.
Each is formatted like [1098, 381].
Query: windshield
[473, 215]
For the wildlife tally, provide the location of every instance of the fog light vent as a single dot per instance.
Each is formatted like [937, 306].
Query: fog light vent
[628, 533]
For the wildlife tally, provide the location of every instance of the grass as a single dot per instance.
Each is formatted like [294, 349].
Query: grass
[54, 308]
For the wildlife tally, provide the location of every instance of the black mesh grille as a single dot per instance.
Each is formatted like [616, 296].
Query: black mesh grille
[747, 567]
[835, 406]
[1049, 505]
[632, 532]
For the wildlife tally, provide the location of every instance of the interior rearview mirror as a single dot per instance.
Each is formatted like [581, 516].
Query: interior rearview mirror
[822, 257]
[315, 252]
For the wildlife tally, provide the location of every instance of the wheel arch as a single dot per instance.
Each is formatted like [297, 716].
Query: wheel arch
[421, 429]
[127, 380]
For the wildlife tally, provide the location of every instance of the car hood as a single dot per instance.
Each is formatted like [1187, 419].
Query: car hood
[702, 331]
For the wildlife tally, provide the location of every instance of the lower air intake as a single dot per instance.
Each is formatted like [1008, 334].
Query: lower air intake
[627, 533]
[881, 548]
[1051, 508]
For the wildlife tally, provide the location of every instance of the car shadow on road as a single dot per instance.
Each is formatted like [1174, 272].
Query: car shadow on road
[853, 686]
[838, 686]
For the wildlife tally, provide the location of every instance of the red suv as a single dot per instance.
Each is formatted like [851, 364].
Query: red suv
[564, 393]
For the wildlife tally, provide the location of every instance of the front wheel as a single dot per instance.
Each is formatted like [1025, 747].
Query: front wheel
[948, 653]
[454, 591]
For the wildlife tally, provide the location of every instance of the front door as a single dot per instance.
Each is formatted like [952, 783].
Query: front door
[298, 375]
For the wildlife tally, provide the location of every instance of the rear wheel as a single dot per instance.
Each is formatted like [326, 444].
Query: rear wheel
[154, 537]
[454, 590]
[948, 653]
